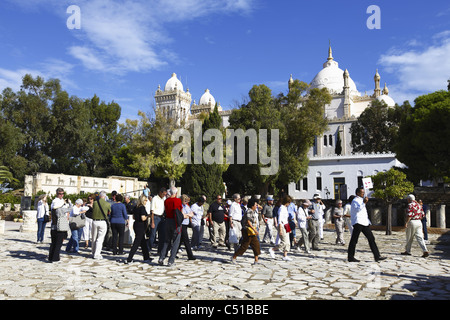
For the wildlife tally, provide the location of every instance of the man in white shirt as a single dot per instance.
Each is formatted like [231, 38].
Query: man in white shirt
[317, 212]
[157, 217]
[361, 223]
[197, 231]
[347, 216]
[235, 217]
[57, 236]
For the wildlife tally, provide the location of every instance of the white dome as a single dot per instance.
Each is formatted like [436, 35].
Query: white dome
[173, 84]
[207, 98]
[332, 78]
[388, 100]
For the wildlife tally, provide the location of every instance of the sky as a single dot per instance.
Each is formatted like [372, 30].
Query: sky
[122, 50]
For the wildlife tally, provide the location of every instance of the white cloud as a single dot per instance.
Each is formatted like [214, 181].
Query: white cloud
[13, 78]
[87, 57]
[50, 69]
[127, 36]
[419, 71]
[119, 36]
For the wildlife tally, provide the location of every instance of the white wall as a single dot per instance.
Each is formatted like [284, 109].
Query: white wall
[347, 167]
[49, 182]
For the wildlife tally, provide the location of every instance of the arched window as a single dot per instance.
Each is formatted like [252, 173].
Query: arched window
[319, 181]
[359, 177]
[325, 140]
[330, 140]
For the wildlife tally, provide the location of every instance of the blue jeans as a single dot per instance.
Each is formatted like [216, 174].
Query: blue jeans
[158, 228]
[425, 230]
[41, 229]
[292, 235]
[196, 240]
[74, 240]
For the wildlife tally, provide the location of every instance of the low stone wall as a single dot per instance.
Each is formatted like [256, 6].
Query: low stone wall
[8, 215]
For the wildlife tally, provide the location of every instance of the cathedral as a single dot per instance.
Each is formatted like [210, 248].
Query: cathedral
[176, 103]
[333, 172]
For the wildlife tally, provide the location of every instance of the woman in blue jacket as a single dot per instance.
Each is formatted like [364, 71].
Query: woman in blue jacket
[119, 219]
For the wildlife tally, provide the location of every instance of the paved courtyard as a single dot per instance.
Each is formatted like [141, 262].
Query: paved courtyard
[325, 274]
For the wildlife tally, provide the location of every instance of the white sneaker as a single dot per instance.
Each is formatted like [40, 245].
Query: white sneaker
[272, 254]
[287, 258]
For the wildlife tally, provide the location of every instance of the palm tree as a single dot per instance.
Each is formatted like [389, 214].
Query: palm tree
[6, 175]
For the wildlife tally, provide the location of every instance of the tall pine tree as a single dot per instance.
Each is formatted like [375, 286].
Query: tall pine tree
[205, 179]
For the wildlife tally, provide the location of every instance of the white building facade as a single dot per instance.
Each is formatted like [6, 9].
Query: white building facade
[176, 103]
[49, 182]
[335, 173]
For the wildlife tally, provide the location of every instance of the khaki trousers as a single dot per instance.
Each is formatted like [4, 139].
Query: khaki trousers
[414, 229]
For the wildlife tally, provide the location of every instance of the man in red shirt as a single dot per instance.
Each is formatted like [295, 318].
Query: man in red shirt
[414, 226]
[172, 230]
[172, 203]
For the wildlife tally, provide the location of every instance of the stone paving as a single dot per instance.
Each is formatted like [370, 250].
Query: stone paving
[325, 274]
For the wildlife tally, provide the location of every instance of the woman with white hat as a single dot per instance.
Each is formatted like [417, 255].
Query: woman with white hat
[302, 217]
[316, 222]
[338, 215]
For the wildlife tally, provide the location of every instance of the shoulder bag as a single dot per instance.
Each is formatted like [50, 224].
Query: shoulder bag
[77, 222]
[62, 223]
[251, 232]
[46, 215]
[287, 227]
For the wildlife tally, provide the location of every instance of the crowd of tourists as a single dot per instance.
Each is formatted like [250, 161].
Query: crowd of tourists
[167, 223]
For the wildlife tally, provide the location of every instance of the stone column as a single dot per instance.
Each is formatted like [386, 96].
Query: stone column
[29, 221]
[394, 216]
[328, 216]
[428, 215]
[441, 216]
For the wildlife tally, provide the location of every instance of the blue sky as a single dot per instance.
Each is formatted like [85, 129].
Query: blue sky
[125, 49]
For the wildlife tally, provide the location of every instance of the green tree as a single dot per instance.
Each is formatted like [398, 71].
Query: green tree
[28, 110]
[376, 129]
[11, 141]
[6, 176]
[106, 139]
[205, 179]
[391, 186]
[149, 141]
[422, 143]
[123, 162]
[259, 113]
[298, 117]
[73, 135]
[44, 129]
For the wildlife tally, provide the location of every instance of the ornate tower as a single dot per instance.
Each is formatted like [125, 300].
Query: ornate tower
[377, 91]
[174, 102]
[385, 89]
[346, 94]
[290, 82]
